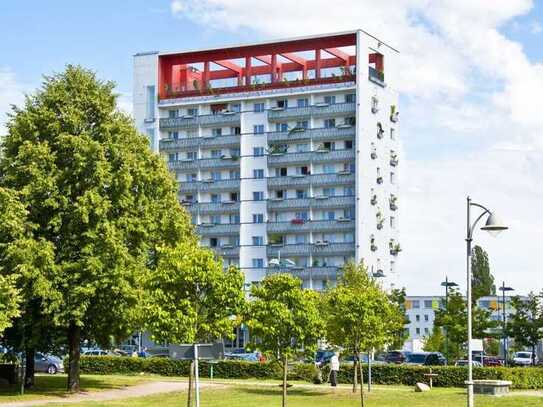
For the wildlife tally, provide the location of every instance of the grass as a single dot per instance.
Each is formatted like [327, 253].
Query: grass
[247, 394]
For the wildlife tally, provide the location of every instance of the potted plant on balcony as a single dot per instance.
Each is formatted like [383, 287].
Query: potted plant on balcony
[374, 104]
[394, 247]
[393, 202]
[373, 154]
[373, 200]
[394, 114]
[297, 221]
[380, 131]
[276, 240]
[380, 219]
[393, 159]
[379, 179]
[276, 149]
[373, 246]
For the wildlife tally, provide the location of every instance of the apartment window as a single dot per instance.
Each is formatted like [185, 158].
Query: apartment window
[150, 108]
[258, 129]
[172, 157]
[417, 330]
[350, 121]
[302, 148]
[258, 218]
[189, 198]
[216, 175]
[259, 173]
[330, 215]
[348, 191]
[329, 191]
[258, 151]
[215, 198]
[330, 99]
[426, 331]
[348, 144]
[281, 127]
[417, 317]
[191, 133]
[329, 145]
[258, 241]
[426, 318]
[192, 111]
[329, 123]
[304, 124]
[280, 194]
[216, 132]
[216, 153]
[235, 130]
[282, 103]
[213, 242]
[416, 304]
[233, 219]
[192, 155]
[234, 174]
[192, 177]
[258, 263]
[258, 107]
[392, 178]
[302, 170]
[428, 304]
[301, 194]
[281, 172]
[172, 114]
[173, 135]
[234, 196]
[392, 222]
[216, 219]
[329, 168]
[348, 237]
[236, 107]
[392, 134]
[302, 102]
[304, 215]
[350, 98]
[301, 239]
[258, 196]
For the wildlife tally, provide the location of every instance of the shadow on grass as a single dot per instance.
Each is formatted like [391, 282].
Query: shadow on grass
[56, 386]
[274, 391]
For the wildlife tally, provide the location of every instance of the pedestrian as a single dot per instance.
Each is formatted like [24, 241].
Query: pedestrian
[334, 369]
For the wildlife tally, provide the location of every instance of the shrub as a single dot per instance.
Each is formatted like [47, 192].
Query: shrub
[448, 376]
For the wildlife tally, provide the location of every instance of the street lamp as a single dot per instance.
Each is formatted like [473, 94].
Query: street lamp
[494, 227]
[503, 289]
[447, 284]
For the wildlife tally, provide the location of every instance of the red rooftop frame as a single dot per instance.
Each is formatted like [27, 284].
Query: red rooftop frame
[178, 77]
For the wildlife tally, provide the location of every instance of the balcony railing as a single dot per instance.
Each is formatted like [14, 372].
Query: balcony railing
[206, 163]
[333, 133]
[172, 144]
[232, 140]
[288, 158]
[306, 180]
[186, 122]
[205, 186]
[289, 250]
[227, 251]
[333, 156]
[334, 249]
[293, 203]
[306, 273]
[218, 229]
[310, 156]
[292, 135]
[289, 113]
[218, 141]
[333, 179]
[305, 249]
[376, 77]
[333, 202]
[311, 226]
[336, 109]
[214, 207]
[183, 164]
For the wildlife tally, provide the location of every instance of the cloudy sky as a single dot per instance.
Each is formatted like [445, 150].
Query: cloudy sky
[471, 90]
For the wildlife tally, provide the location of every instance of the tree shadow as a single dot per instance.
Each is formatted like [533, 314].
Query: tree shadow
[276, 391]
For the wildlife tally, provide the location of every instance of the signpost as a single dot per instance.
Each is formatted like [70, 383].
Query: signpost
[196, 351]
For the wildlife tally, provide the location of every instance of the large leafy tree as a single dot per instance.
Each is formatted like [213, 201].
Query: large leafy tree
[97, 197]
[397, 297]
[454, 320]
[435, 342]
[9, 302]
[482, 280]
[191, 299]
[525, 325]
[283, 318]
[360, 316]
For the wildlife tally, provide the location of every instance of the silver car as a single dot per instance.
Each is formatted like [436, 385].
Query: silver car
[48, 364]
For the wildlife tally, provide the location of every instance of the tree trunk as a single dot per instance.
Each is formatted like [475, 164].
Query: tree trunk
[285, 369]
[74, 340]
[361, 385]
[355, 374]
[189, 396]
[533, 355]
[29, 367]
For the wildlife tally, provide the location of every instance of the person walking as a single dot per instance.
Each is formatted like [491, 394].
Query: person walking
[334, 369]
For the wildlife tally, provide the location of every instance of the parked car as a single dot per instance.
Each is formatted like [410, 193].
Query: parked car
[48, 363]
[425, 359]
[396, 356]
[492, 361]
[323, 356]
[524, 359]
[464, 362]
[95, 352]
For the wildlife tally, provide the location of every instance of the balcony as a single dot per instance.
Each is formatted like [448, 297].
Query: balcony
[188, 187]
[288, 204]
[289, 227]
[306, 273]
[333, 133]
[299, 250]
[221, 141]
[208, 163]
[289, 158]
[332, 179]
[214, 207]
[290, 181]
[333, 156]
[289, 113]
[218, 229]
[340, 178]
[311, 226]
[172, 144]
[376, 77]
[332, 202]
[336, 109]
[338, 249]
[292, 135]
[227, 251]
[211, 120]
[212, 185]
[183, 165]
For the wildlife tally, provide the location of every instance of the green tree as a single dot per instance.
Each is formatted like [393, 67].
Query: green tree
[97, 198]
[454, 319]
[435, 342]
[397, 297]
[190, 298]
[360, 316]
[9, 302]
[284, 318]
[482, 280]
[525, 325]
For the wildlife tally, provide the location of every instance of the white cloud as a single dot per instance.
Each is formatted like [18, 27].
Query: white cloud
[124, 102]
[11, 93]
[536, 28]
[462, 80]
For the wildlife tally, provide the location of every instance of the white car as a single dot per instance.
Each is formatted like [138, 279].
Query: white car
[524, 359]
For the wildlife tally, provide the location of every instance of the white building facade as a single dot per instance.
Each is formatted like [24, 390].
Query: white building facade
[286, 152]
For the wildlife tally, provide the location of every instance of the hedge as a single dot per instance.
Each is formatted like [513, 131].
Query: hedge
[448, 376]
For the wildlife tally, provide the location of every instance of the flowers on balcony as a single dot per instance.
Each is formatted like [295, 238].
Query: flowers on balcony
[373, 246]
[393, 201]
[277, 149]
[394, 114]
[393, 159]
[379, 179]
[380, 219]
[394, 247]
[374, 104]
[297, 221]
[373, 200]
[380, 131]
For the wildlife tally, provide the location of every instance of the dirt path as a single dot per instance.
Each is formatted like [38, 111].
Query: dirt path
[138, 390]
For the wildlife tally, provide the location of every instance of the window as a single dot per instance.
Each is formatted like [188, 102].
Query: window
[234, 196]
[330, 215]
[192, 177]
[300, 239]
[302, 170]
[215, 198]
[348, 237]
[426, 331]
[259, 173]
[426, 318]
[216, 175]
[350, 98]
[329, 123]
[258, 196]
[258, 151]
[216, 132]
[192, 111]
[428, 304]
[348, 213]
[216, 153]
[416, 304]
[172, 157]
[302, 103]
[417, 317]
[173, 135]
[258, 129]
[329, 145]
[348, 144]
[329, 191]
[302, 148]
[282, 103]
[281, 127]
[303, 215]
[258, 263]
[235, 107]
[213, 242]
[281, 172]
[258, 241]
[329, 168]
[301, 194]
[330, 99]
[192, 155]
[258, 218]
[173, 113]
[348, 191]
[392, 134]
[304, 124]
[280, 194]
[150, 107]
[234, 174]
[392, 222]
[349, 121]
[258, 107]
[235, 130]
[189, 198]
[191, 133]
[216, 219]
[233, 219]
[417, 330]
[392, 178]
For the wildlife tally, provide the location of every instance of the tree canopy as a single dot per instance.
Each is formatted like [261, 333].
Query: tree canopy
[482, 280]
[525, 325]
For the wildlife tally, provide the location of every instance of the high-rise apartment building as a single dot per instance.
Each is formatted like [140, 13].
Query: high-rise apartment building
[286, 152]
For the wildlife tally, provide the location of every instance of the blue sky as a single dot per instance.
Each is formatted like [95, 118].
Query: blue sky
[471, 92]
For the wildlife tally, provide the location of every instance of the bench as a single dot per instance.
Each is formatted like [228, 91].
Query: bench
[492, 387]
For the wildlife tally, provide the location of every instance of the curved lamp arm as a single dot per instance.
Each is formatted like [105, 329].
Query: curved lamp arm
[472, 226]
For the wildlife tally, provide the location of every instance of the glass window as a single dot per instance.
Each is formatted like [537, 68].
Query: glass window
[234, 174]
[330, 215]
[258, 263]
[258, 196]
[258, 107]
[192, 111]
[258, 129]
[258, 151]
[258, 218]
[426, 318]
[216, 219]
[172, 157]
[259, 173]
[302, 102]
[428, 304]
[281, 127]
[150, 108]
[329, 191]
[348, 144]
[192, 155]
[216, 175]
[192, 177]
[302, 215]
[417, 317]
[258, 241]
[304, 124]
[282, 103]
[300, 239]
[216, 132]
[235, 107]
[302, 148]
[300, 194]
[329, 168]
[350, 98]
[416, 304]
[235, 130]
[329, 123]
[216, 153]
[330, 99]
[173, 113]
[215, 198]
[417, 330]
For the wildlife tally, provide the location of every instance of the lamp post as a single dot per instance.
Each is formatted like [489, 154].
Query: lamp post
[494, 227]
[447, 284]
[503, 289]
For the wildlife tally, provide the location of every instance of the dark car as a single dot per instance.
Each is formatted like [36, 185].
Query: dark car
[48, 364]
[426, 359]
[492, 361]
[396, 356]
